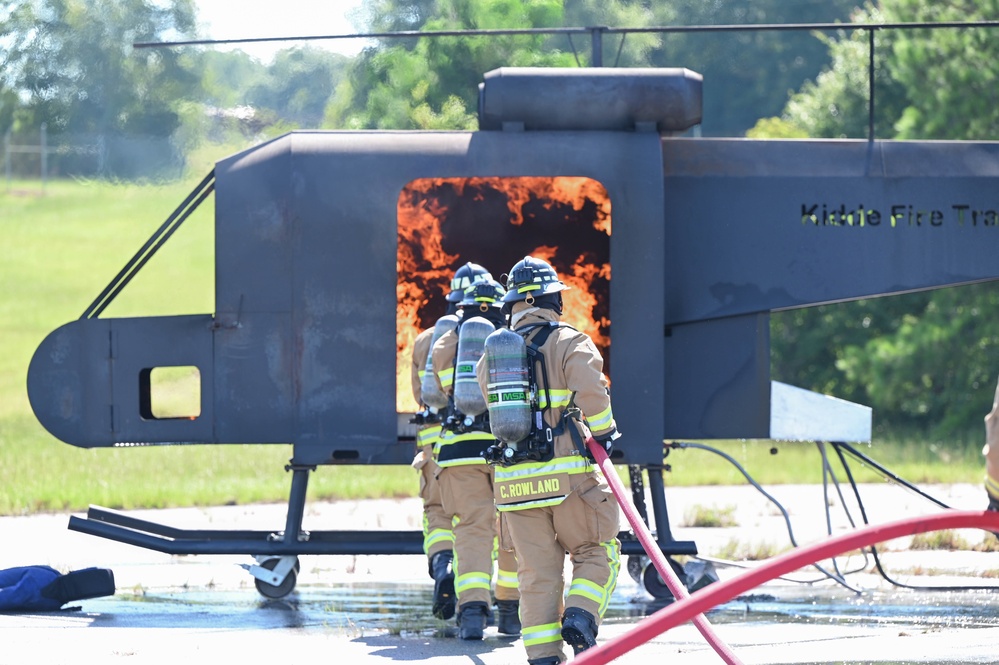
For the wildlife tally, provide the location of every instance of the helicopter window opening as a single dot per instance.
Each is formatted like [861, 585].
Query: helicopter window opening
[346, 454]
[172, 392]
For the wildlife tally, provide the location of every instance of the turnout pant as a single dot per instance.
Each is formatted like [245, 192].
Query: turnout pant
[585, 525]
[467, 493]
[437, 534]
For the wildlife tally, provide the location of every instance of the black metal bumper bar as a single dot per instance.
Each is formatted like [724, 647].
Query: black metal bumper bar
[123, 528]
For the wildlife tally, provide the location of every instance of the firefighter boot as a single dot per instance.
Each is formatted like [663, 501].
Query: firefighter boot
[472, 620]
[550, 660]
[579, 629]
[444, 598]
[508, 617]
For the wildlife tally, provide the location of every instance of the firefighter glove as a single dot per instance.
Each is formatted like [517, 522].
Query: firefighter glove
[607, 440]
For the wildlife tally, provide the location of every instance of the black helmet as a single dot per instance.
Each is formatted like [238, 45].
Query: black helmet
[485, 294]
[464, 277]
[530, 278]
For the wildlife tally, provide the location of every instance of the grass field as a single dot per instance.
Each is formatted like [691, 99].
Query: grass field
[60, 247]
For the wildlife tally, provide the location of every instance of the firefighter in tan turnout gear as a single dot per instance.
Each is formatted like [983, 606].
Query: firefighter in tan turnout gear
[465, 479]
[438, 537]
[552, 497]
[991, 452]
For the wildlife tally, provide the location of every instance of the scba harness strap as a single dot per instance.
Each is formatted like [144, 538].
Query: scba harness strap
[536, 358]
[539, 445]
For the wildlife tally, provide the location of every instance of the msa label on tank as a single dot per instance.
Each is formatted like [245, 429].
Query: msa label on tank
[499, 398]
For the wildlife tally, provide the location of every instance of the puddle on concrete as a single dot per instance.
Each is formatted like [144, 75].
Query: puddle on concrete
[831, 606]
[354, 609]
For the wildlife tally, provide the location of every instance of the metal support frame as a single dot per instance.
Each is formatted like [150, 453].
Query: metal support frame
[662, 532]
[118, 526]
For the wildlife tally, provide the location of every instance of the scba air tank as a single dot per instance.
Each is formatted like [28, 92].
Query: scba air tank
[508, 395]
[472, 335]
[429, 390]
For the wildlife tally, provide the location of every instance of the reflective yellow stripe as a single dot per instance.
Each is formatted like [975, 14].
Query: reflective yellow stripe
[559, 398]
[435, 536]
[507, 579]
[587, 589]
[428, 435]
[526, 470]
[463, 461]
[601, 420]
[540, 503]
[543, 634]
[613, 549]
[992, 487]
[468, 581]
[450, 438]
[446, 376]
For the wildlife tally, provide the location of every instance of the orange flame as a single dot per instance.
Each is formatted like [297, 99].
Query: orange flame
[446, 222]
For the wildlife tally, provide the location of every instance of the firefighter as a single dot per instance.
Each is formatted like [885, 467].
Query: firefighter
[991, 452]
[553, 498]
[466, 480]
[438, 537]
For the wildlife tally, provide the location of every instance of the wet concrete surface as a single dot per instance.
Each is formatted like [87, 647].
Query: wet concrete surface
[369, 609]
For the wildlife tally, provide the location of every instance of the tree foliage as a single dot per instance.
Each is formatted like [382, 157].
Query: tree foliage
[406, 84]
[929, 83]
[747, 74]
[73, 60]
[924, 361]
[432, 83]
[298, 85]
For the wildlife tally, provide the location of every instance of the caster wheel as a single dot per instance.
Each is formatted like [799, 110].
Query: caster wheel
[655, 584]
[280, 590]
[636, 564]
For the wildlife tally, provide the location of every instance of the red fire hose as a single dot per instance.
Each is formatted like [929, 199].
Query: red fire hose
[657, 557]
[715, 594]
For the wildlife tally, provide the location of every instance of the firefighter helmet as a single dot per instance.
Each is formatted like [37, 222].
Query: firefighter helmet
[464, 277]
[531, 278]
[486, 294]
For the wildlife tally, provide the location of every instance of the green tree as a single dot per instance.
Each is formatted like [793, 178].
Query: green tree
[934, 367]
[929, 83]
[948, 75]
[925, 360]
[619, 50]
[747, 74]
[298, 85]
[433, 83]
[72, 63]
[228, 76]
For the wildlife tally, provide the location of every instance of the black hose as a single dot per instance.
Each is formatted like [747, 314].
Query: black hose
[839, 447]
[787, 519]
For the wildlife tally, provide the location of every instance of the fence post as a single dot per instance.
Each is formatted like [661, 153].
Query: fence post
[44, 154]
[6, 157]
